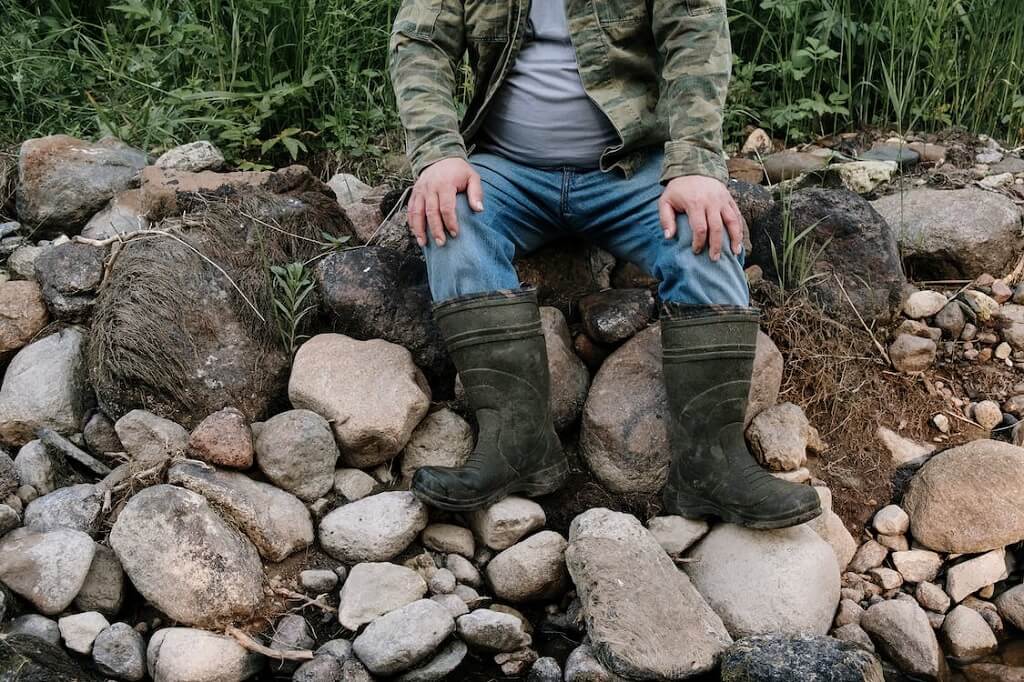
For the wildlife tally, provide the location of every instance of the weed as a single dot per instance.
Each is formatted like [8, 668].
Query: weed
[292, 286]
[794, 258]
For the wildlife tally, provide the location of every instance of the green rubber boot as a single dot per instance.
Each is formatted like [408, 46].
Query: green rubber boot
[498, 347]
[708, 359]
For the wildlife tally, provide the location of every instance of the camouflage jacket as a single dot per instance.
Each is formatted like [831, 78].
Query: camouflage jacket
[659, 69]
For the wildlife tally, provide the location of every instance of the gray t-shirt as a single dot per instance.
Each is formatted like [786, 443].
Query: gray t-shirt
[542, 116]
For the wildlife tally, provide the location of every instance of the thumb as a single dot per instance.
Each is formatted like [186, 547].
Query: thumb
[475, 193]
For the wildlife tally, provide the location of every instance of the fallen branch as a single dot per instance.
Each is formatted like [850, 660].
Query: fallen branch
[306, 601]
[54, 441]
[247, 642]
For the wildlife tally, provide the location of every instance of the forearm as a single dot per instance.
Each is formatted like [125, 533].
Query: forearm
[693, 39]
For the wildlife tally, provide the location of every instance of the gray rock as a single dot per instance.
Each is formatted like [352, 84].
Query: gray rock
[676, 534]
[374, 589]
[36, 467]
[505, 523]
[493, 631]
[463, 570]
[176, 654]
[376, 528]
[70, 275]
[1011, 606]
[9, 519]
[784, 581]
[644, 617]
[104, 586]
[447, 538]
[442, 582]
[614, 315]
[100, 435]
[780, 436]
[122, 215]
[370, 390]
[44, 386]
[348, 188]
[911, 353]
[24, 658]
[9, 482]
[150, 438]
[932, 597]
[443, 439]
[291, 633]
[322, 668]
[545, 669]
[789, 164]
[297, 452]
[440, 666]
[951, 320]
[79, 631]
[120, 652]
[192, 157]
[22, 262]
[953, 234]
[967, 636]
[185, 559]
[530, 570]
[455, 604]
[808, 658]
[854, 633]
[403, 638]
[570, 379]
[902, 631]
[917, 565]
[353, 484]
[274, 520]
[48, 569]
[318, 581]
[63, 181]
[76, 507]
[34, 625]
[583, 666]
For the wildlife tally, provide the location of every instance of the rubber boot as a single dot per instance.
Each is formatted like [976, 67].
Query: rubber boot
[708, 360]
[498, 348]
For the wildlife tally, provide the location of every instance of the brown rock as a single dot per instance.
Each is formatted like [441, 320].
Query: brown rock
[788, 164]
[912, 353]
[22, 314]
[747, 170]
[223, 439]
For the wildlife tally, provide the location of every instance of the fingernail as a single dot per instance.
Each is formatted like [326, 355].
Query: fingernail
[478, 206]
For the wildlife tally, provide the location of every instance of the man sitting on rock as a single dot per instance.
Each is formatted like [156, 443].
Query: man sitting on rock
[599, 118]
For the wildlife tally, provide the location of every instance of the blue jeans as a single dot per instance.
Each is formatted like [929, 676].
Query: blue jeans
[526, 207]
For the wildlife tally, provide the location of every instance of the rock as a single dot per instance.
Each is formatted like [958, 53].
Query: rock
[63, 181]
[897, 543]
[583, 666]
[1011, 606]
[374, 589]
[104, 587]
[923, 304]
[857, 260]
[623, 437]
[9, 482]
[809, 658]
[964, 499]
[970, 576]
[545, 669]
[464, 571]
[376, 528]
[902, 631]
[449, 539]
[929, 153]
[44, 386]
[70, 275]
[644, 618]
[849, 612]
[886, 578]
[897, 153]
[297, 452]
[440, 667]
[529, 570]
[912, 353]
[183, 558]
[614, 315]
[992, 672]
[951, 320]
[506, 522]
[276, 522]
[348, 188]
[122, 215]
[79, 631]
[24, 658]
[23, 314]
[318, 581]
[953, 234]
[966, 635]
[747, 170]
[917, 565]
[192, 157]
[442, 582]
[291, 633]
[676, 534]
[983, 305]
[891, 520]
[403, 638]
[767, 581]
[48, 569]
[789, 164]
[373, 292]
[371, 390]
[754, 202]
[149, 438]
[565, 270]
[353, 484]
[854, 634]
[865, 176]
[180, 654]
[76, 507]
[832, 530]
[932, 597]
[443, 439]
[493, 631]
[869, 555]
[780, 435]
[223, 439]
[903, 450]
[321, 668]
[9, 520]
[120, 652]
[988, 414]
[570, 379]
[34, 625]
[100, 435]
[22, 262]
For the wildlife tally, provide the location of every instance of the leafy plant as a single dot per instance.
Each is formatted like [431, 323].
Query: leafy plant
[292, 287]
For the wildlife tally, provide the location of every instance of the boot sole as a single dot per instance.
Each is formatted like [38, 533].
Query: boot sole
[543, 482]
[700, 509]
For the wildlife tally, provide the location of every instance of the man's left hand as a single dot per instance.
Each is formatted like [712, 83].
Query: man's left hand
[710, 209]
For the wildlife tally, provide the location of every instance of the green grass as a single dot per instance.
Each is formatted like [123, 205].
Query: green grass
[273, 80]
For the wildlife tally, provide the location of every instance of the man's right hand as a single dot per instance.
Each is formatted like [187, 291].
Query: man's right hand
[432, 205]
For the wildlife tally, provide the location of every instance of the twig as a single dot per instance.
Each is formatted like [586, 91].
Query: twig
[963, 419]
[306, 601]
[251, 644]
[394, 209]
[881, 349]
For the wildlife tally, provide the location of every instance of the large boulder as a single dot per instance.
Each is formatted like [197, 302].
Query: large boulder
[759, 582]
[855, 255]
[371, 391]
[623, 437]
[954, 234]
[644, 618]
[372, 292]
[808, 658]
[186, 325]
[49, 568]
[968, 498]
[63, 181]
[44, 386]
[185, 559]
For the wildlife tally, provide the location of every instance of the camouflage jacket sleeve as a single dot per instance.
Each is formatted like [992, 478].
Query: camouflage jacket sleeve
[427, 46]
[693, 39]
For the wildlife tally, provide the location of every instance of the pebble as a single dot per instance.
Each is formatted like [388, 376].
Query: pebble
[849, 612]
[941, 422]
[48, 569]
[891, 520]
[886, 578]
[442, 439]
[105, 584]
[583, 666]
[465, 572]
[449, 539]
[297, 452]
[897, 543]
[911, 354]
[505, 523]
[120, 652]
[531, 569]
[442, 582]
[455, 605]
[318, 581]
[493, 631]
[79, 631]
[854, 634]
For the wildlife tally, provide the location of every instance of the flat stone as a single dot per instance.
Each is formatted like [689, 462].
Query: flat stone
[223, 439]
[177, 654]
[48, 569]
[676, 534]
[529, 570]
[403, 638]
[79, 631]
[120, 652]
[348, 188]
[644, 618]
[969, 576]
[297, 452]
[442, 439]
[789, 164]
[902, 631]
[809, 658]
[375, 528]
[492, 631]
[374, 589]
[505, 523]
[76, 507]
[318, 581]
[966, 635]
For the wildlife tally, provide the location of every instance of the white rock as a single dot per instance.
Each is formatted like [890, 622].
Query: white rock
[187, 655]
[968, 577]
[48, 569]
[374, 589]
[192, 157]
[442, 582]
[902, 449]
[455, 604]
[35, 467]
[891, 520]
[353, 484]
[348, 188]
[917, 565]
[318, 581]
[463, 570]
[901, 629]
[780, 435]
[988, 414]
[1011, 606]
[403, 638]
[922, 304]
[832, 530]
[505, 523]
[864, 176]
[676, 534]
[530, 570]
[375, 528]
[932, 597]
[967, 636]
[79, 631]
[886, 578]
[869, 555]
[493, 631]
